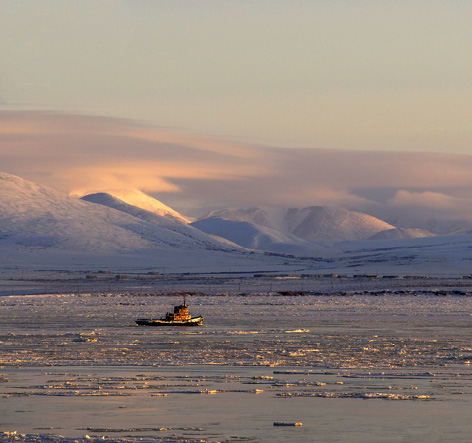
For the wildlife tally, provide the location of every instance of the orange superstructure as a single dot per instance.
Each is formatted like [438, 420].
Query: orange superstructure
[180, 313]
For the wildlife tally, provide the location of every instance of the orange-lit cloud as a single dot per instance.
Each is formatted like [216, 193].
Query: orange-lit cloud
[84, 154]
[426, 199]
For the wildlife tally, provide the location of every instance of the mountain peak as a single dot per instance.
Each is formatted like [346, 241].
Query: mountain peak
[34, 217]
[314, 223]
[161, 215]
[326, 223]
[144, 201]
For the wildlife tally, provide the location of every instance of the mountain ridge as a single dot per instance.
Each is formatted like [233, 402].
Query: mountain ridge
[255, 236]
[37, 216]
[313, 223]
[42, 228]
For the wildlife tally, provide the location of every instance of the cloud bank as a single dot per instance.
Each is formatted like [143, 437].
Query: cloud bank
[81, 154]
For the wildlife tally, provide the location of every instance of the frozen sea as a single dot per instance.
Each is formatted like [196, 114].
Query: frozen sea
[385, 362]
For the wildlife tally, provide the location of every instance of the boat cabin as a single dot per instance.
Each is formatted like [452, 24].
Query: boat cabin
[180, 313]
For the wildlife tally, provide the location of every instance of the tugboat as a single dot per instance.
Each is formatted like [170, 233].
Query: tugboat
[180, 317]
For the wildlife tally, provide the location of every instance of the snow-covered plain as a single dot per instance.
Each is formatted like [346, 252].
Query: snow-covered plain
[388, 361]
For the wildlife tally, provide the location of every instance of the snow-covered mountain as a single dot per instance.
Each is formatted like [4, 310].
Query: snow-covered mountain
[161, 218]
[41, 228]
[255, 236]
[33, 216]
[321, 223]
[36, 216]
[315, 223]
[171, 220]
[139, 199]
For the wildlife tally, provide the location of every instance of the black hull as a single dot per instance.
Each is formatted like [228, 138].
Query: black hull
[197, 321]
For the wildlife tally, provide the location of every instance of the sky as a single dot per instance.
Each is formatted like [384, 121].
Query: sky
[375, 75]
[355, 103]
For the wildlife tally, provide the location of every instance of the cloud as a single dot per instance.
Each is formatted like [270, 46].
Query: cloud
[85, 154]
[435, 204]
[82, 154]
[426, 199]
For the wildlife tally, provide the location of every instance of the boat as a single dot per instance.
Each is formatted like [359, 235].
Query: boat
[180, 317]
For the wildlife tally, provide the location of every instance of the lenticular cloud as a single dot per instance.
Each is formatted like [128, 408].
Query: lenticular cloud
[86, 154]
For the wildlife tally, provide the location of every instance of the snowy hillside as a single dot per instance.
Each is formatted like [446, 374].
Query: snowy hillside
[321, 223]
[41, 226]
[36, 216]
[146, 202]
[315, 223]
[160, 218]
[170, 220]
[33, 216]
[256, 236]
[43, 229]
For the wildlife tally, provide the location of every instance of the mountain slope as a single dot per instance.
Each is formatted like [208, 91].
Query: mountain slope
[255, 236]
[161, 218]
[42, 229]
[321, 223]
[169, 220]
[38, 217]
[143, 201]
[315, 223]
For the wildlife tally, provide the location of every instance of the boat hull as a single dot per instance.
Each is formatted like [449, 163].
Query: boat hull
[196, 321]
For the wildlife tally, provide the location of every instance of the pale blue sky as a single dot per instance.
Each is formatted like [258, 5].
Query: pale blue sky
[375, 75]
